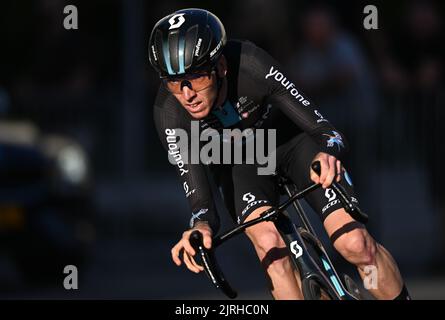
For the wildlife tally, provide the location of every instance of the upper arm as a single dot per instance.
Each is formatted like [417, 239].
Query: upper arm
[270, 77]
[192, 176]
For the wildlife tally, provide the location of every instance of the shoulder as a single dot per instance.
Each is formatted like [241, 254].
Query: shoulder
[243, 49]
[239, 44]
[167, 111]
[164, 100]
[252, 61]
[166, 103]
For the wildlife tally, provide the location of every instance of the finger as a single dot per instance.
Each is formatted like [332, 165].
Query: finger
[196, 264]
[207, 240]
[188, 247]
[314, 177]
[324, 171]
[331, 172]
[189, 264]
[175, 252]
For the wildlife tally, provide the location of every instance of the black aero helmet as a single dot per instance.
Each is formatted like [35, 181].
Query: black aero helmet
[186, 41]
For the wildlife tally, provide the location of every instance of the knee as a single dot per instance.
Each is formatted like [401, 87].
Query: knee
[265, 239]
[271, 251]
[357, 247]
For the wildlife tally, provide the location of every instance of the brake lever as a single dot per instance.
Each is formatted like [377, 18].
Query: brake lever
[211, 266]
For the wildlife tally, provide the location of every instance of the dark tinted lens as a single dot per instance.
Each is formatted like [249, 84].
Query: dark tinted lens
[197, 82]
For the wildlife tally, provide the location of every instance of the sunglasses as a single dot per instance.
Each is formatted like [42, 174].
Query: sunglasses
[196, 82]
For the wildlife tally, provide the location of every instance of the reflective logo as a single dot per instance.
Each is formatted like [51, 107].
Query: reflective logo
[186, 189]
[248, 197]
[330, 204]
[330, 194]
[197, 216]
[155, 56]
[335, 139]
[251, 202]
[214, 51]
[278, 76]
[197, 47]
[320, 116]
[173, 150]
[176, 24]
[296, 249]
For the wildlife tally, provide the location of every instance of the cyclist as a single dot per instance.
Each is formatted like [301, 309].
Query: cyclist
[219, 84]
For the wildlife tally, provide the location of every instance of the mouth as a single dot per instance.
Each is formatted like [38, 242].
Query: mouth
[194, 107]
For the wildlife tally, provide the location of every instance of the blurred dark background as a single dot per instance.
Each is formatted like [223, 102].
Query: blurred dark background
[85, 181]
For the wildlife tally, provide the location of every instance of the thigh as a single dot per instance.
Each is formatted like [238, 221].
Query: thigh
[222, 175]
[296, 163]
[252, 191]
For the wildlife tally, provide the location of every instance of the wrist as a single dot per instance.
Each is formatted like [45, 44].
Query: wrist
[201, 224]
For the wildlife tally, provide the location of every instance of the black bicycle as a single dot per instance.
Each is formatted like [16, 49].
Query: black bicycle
[319, 279]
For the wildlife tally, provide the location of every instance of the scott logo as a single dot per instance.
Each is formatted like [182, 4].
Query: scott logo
[176, 24]
[320, 116]
[296, 249]
[186, 189]
[248, 197]
[330, 194]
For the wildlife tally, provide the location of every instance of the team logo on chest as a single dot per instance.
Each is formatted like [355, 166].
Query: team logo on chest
[246, 107]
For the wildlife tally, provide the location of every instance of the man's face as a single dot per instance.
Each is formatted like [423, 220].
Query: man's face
[196, 93]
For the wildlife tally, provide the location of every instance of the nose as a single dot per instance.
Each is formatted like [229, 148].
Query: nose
[188, 93]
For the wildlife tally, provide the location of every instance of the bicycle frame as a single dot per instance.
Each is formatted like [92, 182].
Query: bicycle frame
[296, 240]
[302, 260]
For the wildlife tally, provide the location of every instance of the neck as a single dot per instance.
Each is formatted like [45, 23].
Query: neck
[222, 95]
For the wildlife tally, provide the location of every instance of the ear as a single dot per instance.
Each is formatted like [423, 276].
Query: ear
[222, 66]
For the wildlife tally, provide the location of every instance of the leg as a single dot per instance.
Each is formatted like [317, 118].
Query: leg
[253, 194]
[273, 254]
[356, 245]
[349, 237]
